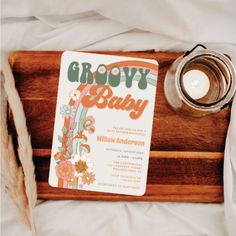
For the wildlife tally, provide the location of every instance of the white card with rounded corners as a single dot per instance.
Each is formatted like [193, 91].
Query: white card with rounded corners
[103, 123]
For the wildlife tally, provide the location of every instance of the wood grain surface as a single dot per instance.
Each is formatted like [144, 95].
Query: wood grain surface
[186, 158]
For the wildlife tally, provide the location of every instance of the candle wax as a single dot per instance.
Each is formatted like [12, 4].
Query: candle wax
[196, 83]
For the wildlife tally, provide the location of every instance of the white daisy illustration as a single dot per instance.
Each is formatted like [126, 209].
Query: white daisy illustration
[74, 95]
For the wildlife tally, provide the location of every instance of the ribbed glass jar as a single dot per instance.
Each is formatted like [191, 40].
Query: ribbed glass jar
[221, 82]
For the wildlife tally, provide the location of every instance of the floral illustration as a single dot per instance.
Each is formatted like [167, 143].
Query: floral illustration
[81, 166]
[67, 111]
[115, 71]
[74, 95]
[84, 170]
[81, 137]
[88, 124]
[58, 156]
[65, 170]
[74, 165]
[88, 178]
[102, 69]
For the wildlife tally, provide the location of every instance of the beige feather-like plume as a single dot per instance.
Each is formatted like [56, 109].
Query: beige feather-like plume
[19, 181]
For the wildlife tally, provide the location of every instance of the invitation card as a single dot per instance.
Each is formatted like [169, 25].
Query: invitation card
[103, 123]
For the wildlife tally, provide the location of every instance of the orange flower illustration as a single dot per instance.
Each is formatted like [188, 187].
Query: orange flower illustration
[88, 178]
[80, 135]
[81, 166]
[58, 156]
[65, 170]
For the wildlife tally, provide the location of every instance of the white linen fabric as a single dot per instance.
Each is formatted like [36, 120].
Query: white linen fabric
[126, 25]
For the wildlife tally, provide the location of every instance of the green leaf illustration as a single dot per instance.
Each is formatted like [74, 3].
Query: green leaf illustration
[63, 129]
[68, 143]
[60, 139]
[71, 150]
[61, 149]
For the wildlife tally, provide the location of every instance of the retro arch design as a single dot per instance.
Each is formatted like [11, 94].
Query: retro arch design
[74, 167]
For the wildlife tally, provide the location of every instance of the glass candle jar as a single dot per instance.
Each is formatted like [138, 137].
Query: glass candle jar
[200, 82]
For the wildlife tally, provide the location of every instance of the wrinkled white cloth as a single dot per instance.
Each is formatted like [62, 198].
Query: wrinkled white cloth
[126, 25]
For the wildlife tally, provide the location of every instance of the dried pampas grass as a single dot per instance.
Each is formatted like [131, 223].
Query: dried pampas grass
[18, 179]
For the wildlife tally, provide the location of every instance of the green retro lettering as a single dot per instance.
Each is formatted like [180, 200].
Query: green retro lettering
[87, 75]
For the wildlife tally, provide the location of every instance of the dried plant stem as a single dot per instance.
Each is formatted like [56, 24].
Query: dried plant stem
[23, 179]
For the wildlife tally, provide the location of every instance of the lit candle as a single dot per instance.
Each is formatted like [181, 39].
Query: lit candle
[196, 83]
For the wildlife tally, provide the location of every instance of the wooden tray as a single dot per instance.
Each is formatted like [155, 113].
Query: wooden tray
[186, 158]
